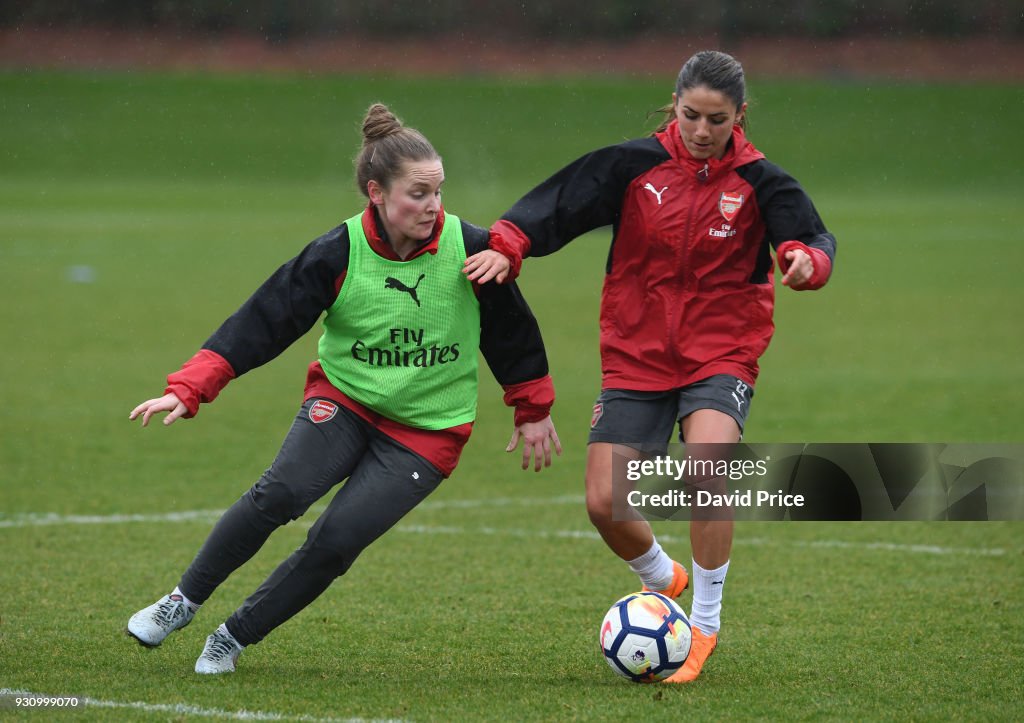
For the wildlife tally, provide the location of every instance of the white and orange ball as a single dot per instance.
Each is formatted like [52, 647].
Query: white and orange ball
[645, 637]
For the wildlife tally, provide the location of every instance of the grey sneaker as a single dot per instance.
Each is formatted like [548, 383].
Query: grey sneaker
[151, 625]
[220, 654]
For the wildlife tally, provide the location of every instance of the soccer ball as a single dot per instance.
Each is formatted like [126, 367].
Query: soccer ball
[645, 637]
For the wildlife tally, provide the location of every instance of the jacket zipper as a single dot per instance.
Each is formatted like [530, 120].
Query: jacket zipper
[675, 331]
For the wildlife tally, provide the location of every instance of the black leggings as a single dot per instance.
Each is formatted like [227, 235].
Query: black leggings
[385, 482]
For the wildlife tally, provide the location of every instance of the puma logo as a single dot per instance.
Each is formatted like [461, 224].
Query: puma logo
[393, 283]
[655, 191]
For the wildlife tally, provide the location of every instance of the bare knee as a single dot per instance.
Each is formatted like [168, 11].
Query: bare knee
[600, 505]
[600, 498]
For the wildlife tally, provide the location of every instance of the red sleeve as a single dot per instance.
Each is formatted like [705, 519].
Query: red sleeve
[508, 240]
[533, 399]
[200, 379]
[821, 261]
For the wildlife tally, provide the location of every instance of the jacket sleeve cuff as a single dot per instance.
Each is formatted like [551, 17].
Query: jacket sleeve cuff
[200, 379]
[821, 261]
[510, 242]
[532, 400]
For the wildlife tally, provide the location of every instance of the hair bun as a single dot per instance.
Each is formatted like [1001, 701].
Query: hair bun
[379, 122]
[387, 146]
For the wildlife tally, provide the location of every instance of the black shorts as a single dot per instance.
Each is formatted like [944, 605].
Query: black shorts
[645, 420]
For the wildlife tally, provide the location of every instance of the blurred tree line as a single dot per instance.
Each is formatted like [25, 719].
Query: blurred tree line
[566, 20]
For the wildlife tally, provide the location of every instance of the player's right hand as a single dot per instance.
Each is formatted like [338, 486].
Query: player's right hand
[486, 265]
[166, 403]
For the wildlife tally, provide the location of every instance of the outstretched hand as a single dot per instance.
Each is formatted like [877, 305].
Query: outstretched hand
[166, 403]
[486, 265]
[537, 442]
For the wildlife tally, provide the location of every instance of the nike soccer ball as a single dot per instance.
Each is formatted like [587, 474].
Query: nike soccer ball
[645, 637]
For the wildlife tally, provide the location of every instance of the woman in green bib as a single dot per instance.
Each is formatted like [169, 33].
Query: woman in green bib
[389, 402]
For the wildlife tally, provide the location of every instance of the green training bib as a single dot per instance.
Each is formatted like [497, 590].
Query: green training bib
[402, 336]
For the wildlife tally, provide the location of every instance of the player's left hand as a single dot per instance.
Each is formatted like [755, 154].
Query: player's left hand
[486, 265]
[169, 402]
[801, 269]
[537, 442]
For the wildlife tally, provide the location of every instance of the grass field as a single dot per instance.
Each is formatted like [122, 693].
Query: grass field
[137, 211]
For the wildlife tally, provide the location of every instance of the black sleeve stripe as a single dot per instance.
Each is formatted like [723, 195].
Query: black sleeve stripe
[585, 195]
[787, 210]
[285, 306]
[474, 237]
[510, 338]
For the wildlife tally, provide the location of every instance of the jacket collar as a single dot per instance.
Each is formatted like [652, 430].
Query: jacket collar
[739, 152]
[381, 244]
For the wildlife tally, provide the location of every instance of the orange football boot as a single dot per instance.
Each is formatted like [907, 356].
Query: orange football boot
[701, 648]
[680, 581]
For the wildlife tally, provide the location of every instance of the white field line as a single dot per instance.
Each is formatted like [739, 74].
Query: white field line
[42, 519]
[739, 540]
[178, 709]
[37, 520]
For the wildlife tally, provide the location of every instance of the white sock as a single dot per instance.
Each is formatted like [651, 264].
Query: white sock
[707, 598]
[223, 628]
[192, 605]
[654, 568]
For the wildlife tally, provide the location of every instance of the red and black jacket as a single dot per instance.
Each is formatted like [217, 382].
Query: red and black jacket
[291, 301]
[689, 288]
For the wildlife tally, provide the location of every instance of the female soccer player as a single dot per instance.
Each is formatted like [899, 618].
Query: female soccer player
[389, 403]
[686, 309]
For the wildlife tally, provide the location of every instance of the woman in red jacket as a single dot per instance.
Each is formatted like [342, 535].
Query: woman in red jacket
[686, 309]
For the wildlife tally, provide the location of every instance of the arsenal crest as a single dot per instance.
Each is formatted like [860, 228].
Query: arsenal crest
[729, 205]
[322, 411]
[596, 416]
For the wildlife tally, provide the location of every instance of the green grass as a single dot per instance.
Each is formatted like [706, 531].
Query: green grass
[182, 193]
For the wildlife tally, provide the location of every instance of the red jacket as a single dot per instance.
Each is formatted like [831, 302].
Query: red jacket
[688, 290]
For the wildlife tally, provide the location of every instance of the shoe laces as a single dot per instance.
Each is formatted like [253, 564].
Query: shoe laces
[219, 647]
[169, 611]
